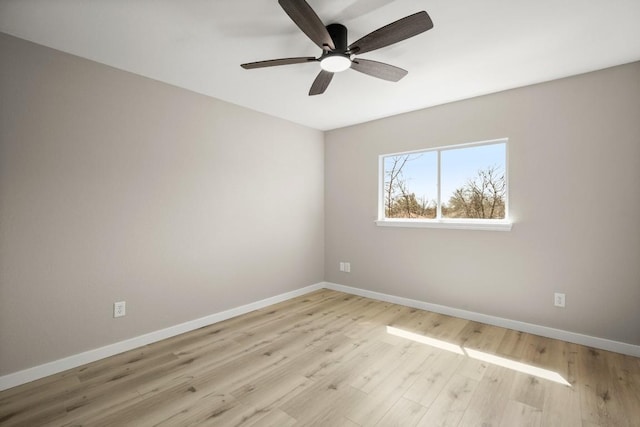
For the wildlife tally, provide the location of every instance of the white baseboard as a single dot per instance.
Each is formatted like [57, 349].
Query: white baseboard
[60, 365]
[573, 337]
[57, 366]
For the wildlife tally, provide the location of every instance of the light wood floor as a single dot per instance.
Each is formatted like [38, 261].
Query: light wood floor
[330, 359]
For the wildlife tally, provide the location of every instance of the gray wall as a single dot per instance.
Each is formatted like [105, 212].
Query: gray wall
[113, 186]
[574, 148]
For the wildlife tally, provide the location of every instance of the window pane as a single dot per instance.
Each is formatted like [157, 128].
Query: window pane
[410, 185]
[473, 182]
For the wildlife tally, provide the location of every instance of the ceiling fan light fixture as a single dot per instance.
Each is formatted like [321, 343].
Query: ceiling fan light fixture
[335, 63]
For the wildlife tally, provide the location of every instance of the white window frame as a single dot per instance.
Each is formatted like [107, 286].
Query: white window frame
[439, 222]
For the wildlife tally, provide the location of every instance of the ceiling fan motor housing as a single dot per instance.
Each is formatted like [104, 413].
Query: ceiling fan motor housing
[338, 33]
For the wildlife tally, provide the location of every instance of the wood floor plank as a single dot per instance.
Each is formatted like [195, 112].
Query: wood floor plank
[374, 316]
[561, 406]
[602, 400]
[449, 407]
[23, 400]
[151, 408]
[98, 398]
[273, 418]
[404, 413]
[529, 390]
[215, 410]
[372, 377]
[272, 390]
[472, 368]
[559, 403]
[330, 392]
[324, 403]
[481, 337]
[92, 410]
[489, 400]
[629, 373]
[389, 389]
[441, 327]
[320, 362]
[513, 344]
[332, 359]
[433, 380]
[521, 415]
[34, 416]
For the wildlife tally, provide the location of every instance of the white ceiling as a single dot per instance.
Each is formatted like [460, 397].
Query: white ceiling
[476, 47]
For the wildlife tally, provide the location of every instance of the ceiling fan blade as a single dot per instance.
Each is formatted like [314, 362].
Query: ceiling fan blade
[399, 30]
[378, 69]
[275, 62]
[321, 83]
[306, 19]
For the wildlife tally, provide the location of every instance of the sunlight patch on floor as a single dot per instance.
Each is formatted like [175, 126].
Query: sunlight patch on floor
[433, 342]
[480, 355]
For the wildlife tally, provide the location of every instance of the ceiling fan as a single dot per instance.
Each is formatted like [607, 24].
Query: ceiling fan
[336, 55]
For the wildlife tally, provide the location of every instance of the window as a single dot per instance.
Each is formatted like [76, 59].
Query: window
[462, 186]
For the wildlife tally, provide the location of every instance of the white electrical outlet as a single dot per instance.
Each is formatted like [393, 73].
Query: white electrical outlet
[119, 309]
[347, 267]
[559, 299]
[341, 266]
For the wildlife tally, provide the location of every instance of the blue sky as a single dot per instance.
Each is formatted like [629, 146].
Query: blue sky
[458, 165]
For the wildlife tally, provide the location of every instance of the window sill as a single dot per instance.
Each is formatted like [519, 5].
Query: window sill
[487, 225]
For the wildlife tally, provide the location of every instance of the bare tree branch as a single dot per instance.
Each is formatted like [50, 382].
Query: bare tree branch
[481, 197]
